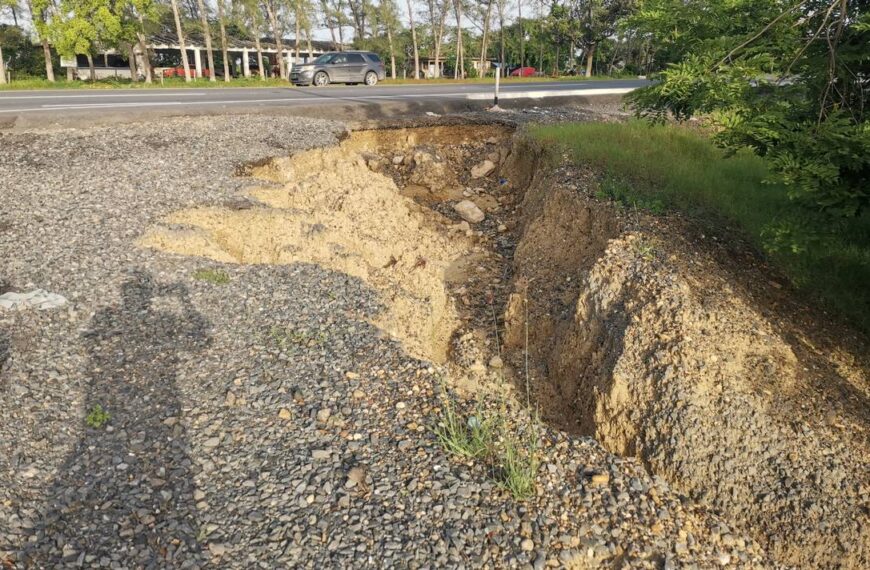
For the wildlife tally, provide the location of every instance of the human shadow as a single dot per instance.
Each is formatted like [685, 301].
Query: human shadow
[126, 494]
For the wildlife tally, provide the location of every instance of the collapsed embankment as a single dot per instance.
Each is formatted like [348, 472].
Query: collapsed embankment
[641, 338]
[629, 330]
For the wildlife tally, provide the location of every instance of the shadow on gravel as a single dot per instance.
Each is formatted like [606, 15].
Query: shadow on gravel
[125, 494]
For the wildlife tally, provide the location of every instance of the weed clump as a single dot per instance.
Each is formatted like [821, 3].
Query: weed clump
[97, 417]
[214, 276]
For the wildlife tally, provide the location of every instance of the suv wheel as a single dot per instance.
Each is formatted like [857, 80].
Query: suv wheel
[371, 78]
[321, 79]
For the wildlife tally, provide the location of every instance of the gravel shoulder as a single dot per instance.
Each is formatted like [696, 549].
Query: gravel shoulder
[226, 447]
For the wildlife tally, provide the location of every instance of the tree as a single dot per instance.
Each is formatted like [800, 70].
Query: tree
[787, 80]
[224, 52]
[388, 17]
[414, 39]
[40, 13]
[595, 20]
[206, 32]
[277, 32]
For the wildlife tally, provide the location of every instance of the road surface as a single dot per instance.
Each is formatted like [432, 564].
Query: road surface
[97, 101]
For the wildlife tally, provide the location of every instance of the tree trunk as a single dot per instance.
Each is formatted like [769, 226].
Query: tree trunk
[206, 31]
[308, 40]
[439, 39]
[226, 55]
[92, 71]
[296, 37]
[2, 68]
[340, 26]
[49, 67]
[590, 54]
[134, 66]
[259, 55]
[278, 43]
[481, 70]
[146, 60]
[180, 34]
[392, 52]
[459, 68]
[414, 40]
[522, 33]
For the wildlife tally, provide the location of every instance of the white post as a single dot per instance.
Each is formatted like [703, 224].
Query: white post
[197, 59]
[497, 77]
[246, 67]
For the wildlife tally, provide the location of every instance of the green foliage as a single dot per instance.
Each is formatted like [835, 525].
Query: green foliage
[786, 80]
[512, 453]
[25, 59]
[97, 417]
[659, 167]
[466, 438]
[215, 276]
[288, 337]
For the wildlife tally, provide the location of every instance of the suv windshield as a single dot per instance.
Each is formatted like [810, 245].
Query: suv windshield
[325, 58]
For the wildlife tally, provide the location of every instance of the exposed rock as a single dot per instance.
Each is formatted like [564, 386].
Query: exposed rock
[469, 211]
[483, 169]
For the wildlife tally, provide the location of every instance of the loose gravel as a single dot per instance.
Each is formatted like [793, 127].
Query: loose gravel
[256, 419]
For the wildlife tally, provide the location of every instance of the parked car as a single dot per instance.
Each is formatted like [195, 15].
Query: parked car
[523, 72]
[340, 67]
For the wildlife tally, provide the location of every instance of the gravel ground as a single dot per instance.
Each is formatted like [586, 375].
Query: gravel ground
[228, 445]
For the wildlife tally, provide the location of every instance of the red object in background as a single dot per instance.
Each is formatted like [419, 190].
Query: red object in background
[523, 72]
[179, 72]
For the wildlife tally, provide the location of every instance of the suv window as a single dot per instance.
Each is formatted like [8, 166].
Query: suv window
[373, 57]
[355, 58]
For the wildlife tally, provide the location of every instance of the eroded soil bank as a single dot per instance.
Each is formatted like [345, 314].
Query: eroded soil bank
[625, 328]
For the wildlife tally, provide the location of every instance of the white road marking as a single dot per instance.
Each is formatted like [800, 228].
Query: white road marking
[552, 93]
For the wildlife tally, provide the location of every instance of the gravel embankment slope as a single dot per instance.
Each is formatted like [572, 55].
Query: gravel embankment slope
[231, 446]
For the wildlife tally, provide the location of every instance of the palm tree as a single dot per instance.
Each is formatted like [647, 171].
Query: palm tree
[180, 33]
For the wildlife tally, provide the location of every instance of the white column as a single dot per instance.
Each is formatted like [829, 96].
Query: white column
[197, 59]
[246, 67]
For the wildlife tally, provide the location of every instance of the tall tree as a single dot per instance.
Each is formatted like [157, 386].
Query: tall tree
[414, 40]
[597, 20]
[277, 32]
[459, 68]
[180, 33]
[144, 10]
[388, 17]
[40, 14]
[224, 52]
[206, 31]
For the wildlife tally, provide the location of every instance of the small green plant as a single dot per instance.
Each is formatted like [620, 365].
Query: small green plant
[646, 249]
[465, 438]
[519, 461]
[215, 276]
[511, 456]
[97, 417]
[285, 337]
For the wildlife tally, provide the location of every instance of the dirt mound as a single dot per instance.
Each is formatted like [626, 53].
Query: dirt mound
[339, 214]
[645, 344]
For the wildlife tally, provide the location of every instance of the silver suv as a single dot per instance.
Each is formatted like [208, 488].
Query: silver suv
[340, 67]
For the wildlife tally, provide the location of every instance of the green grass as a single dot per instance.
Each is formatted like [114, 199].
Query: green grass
[512, 455]
[215, 276]
[122, 83]
[660, 168]
[97, 417]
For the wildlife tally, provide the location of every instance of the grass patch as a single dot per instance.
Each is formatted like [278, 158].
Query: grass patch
[287, 337]
[512, 455]
[97, 417]
[215, 276]
[125, 83]
[659, 168]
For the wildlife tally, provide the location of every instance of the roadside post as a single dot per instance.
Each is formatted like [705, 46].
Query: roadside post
[497, 78]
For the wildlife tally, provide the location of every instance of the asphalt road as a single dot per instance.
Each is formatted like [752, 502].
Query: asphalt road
[61, 101]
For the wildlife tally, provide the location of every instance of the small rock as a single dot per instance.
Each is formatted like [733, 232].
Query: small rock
[359, 394]
[323, 414]
[217, 549]
[496, 362]
[230, 400]
[485, 168]
[212, 442]
[469, 211]
[285, 414]
[599, 479]
[397, 160]
[356, 476]
[321, 454]
[527, 545]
